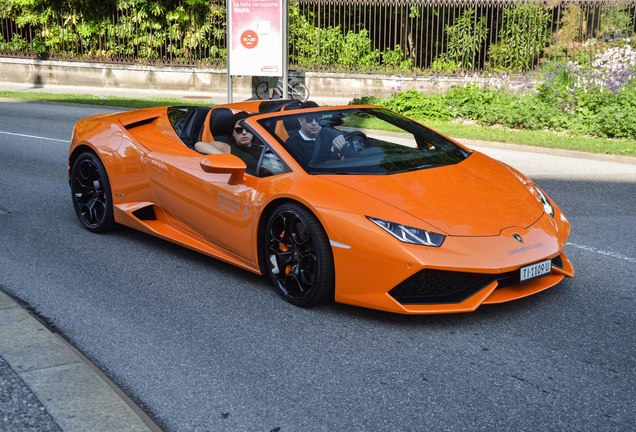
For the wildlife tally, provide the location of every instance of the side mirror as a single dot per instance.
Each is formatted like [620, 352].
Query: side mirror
[224, 164]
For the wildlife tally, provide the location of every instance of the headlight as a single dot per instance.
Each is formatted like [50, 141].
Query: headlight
[409, 234]
[544, 201]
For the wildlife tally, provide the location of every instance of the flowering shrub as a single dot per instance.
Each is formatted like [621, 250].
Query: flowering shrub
[611, 70]
[598, 98]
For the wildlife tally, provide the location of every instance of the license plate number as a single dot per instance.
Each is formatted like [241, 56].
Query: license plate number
[536, 270]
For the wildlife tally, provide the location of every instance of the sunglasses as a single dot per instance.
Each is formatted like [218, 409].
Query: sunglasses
[310, 119]
[239, 130]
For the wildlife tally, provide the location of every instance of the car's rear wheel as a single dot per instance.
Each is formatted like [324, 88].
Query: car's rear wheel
[298, 255]
[91, 193]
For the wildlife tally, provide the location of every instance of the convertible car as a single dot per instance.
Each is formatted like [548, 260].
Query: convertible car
[366, 207]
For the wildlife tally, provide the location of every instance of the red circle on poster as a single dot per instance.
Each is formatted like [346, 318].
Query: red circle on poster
[249, 39]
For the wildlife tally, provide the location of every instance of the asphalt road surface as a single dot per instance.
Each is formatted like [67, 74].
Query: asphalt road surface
[202, 345]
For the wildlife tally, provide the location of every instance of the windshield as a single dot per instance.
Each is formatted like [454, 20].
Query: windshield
[361, 141]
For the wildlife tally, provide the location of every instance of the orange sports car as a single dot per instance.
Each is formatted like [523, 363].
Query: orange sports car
[355, 204]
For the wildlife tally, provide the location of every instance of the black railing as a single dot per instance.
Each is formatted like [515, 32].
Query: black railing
[388, 36]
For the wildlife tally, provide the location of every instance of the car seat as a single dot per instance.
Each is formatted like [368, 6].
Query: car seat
[219, 124]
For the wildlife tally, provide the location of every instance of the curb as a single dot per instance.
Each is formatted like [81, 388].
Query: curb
[76, 394]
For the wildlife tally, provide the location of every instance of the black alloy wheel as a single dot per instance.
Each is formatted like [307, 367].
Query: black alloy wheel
[91, 193]
[298, 254]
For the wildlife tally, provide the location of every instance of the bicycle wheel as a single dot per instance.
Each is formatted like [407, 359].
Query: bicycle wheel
[261, 90]
[300, 92]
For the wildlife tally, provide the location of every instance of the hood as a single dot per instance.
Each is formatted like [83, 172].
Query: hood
[476, 197]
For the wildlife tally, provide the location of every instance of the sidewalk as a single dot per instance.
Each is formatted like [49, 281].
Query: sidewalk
[47, 385]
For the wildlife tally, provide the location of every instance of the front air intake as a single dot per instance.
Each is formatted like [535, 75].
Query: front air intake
[438, 287]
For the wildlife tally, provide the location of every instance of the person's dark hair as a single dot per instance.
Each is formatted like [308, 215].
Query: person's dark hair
[236, 117]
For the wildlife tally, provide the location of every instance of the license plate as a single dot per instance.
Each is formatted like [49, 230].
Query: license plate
[535, 270]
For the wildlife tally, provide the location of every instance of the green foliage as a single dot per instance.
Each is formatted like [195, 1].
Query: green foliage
[522, 38]
[465, 39]
[366, 100]
[143, 29]
[443, 65]
[396, 60]
[417, 105]
[572, 24]
[194, 31]
[320, 47]
[618, 119]
[615, 22]
[314, 46]
[559, 103]
[16, 44]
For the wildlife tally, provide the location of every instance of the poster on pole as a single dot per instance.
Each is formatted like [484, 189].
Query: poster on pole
[256, 37]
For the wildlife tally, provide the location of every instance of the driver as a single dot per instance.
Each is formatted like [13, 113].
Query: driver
[311, 134]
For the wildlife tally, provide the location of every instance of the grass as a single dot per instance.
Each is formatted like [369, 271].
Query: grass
[457, 130]
[521, 136]
[114, 101]
[537, 138]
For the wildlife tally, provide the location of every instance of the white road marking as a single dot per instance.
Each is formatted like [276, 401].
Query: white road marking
[33, 136]
[602, 252]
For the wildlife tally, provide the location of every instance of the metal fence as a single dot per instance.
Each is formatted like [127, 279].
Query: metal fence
[388, 36]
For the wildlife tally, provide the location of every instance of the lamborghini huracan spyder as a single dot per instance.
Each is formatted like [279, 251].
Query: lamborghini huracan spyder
[366, 207]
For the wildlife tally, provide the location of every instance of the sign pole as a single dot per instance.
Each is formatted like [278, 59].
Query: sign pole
[285, 31]
[228, 37]
[256, 39]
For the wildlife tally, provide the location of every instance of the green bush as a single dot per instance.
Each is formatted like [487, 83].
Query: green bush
[329, 47]
[557, 104]
[522, 38]
[417, 105]
[144, 29]
[465, 39]
[618, 119]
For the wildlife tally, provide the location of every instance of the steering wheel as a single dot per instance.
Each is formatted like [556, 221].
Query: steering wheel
[356, 142]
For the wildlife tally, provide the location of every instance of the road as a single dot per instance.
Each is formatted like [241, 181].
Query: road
[203, 346]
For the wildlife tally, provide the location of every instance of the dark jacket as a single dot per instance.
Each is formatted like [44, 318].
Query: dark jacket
[250, 155]
[315, 151]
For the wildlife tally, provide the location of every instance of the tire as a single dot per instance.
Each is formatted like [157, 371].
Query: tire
[298, 256]
[91, 193]
[261, 90]
[300, 92]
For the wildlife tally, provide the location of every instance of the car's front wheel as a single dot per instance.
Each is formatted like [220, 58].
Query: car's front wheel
[91, 193]
[298, 255]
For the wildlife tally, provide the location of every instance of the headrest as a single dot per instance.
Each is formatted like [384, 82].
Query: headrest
[291, 123]
[219, 123]
[278, 105]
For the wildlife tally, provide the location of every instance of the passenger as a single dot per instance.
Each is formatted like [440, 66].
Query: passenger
[330, 142]
[242, 142]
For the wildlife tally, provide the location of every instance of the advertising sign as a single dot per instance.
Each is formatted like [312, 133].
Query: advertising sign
[256, 37]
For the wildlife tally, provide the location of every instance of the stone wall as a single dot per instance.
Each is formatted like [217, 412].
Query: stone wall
[336, 85]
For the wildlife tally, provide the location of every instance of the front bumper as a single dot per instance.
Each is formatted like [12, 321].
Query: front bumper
[378, 272]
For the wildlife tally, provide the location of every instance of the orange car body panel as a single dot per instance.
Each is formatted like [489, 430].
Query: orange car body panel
[149, 167]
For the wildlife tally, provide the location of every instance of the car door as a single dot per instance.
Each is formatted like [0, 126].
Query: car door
[205, 203]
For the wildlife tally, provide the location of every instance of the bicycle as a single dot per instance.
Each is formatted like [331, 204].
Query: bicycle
[297, 91]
